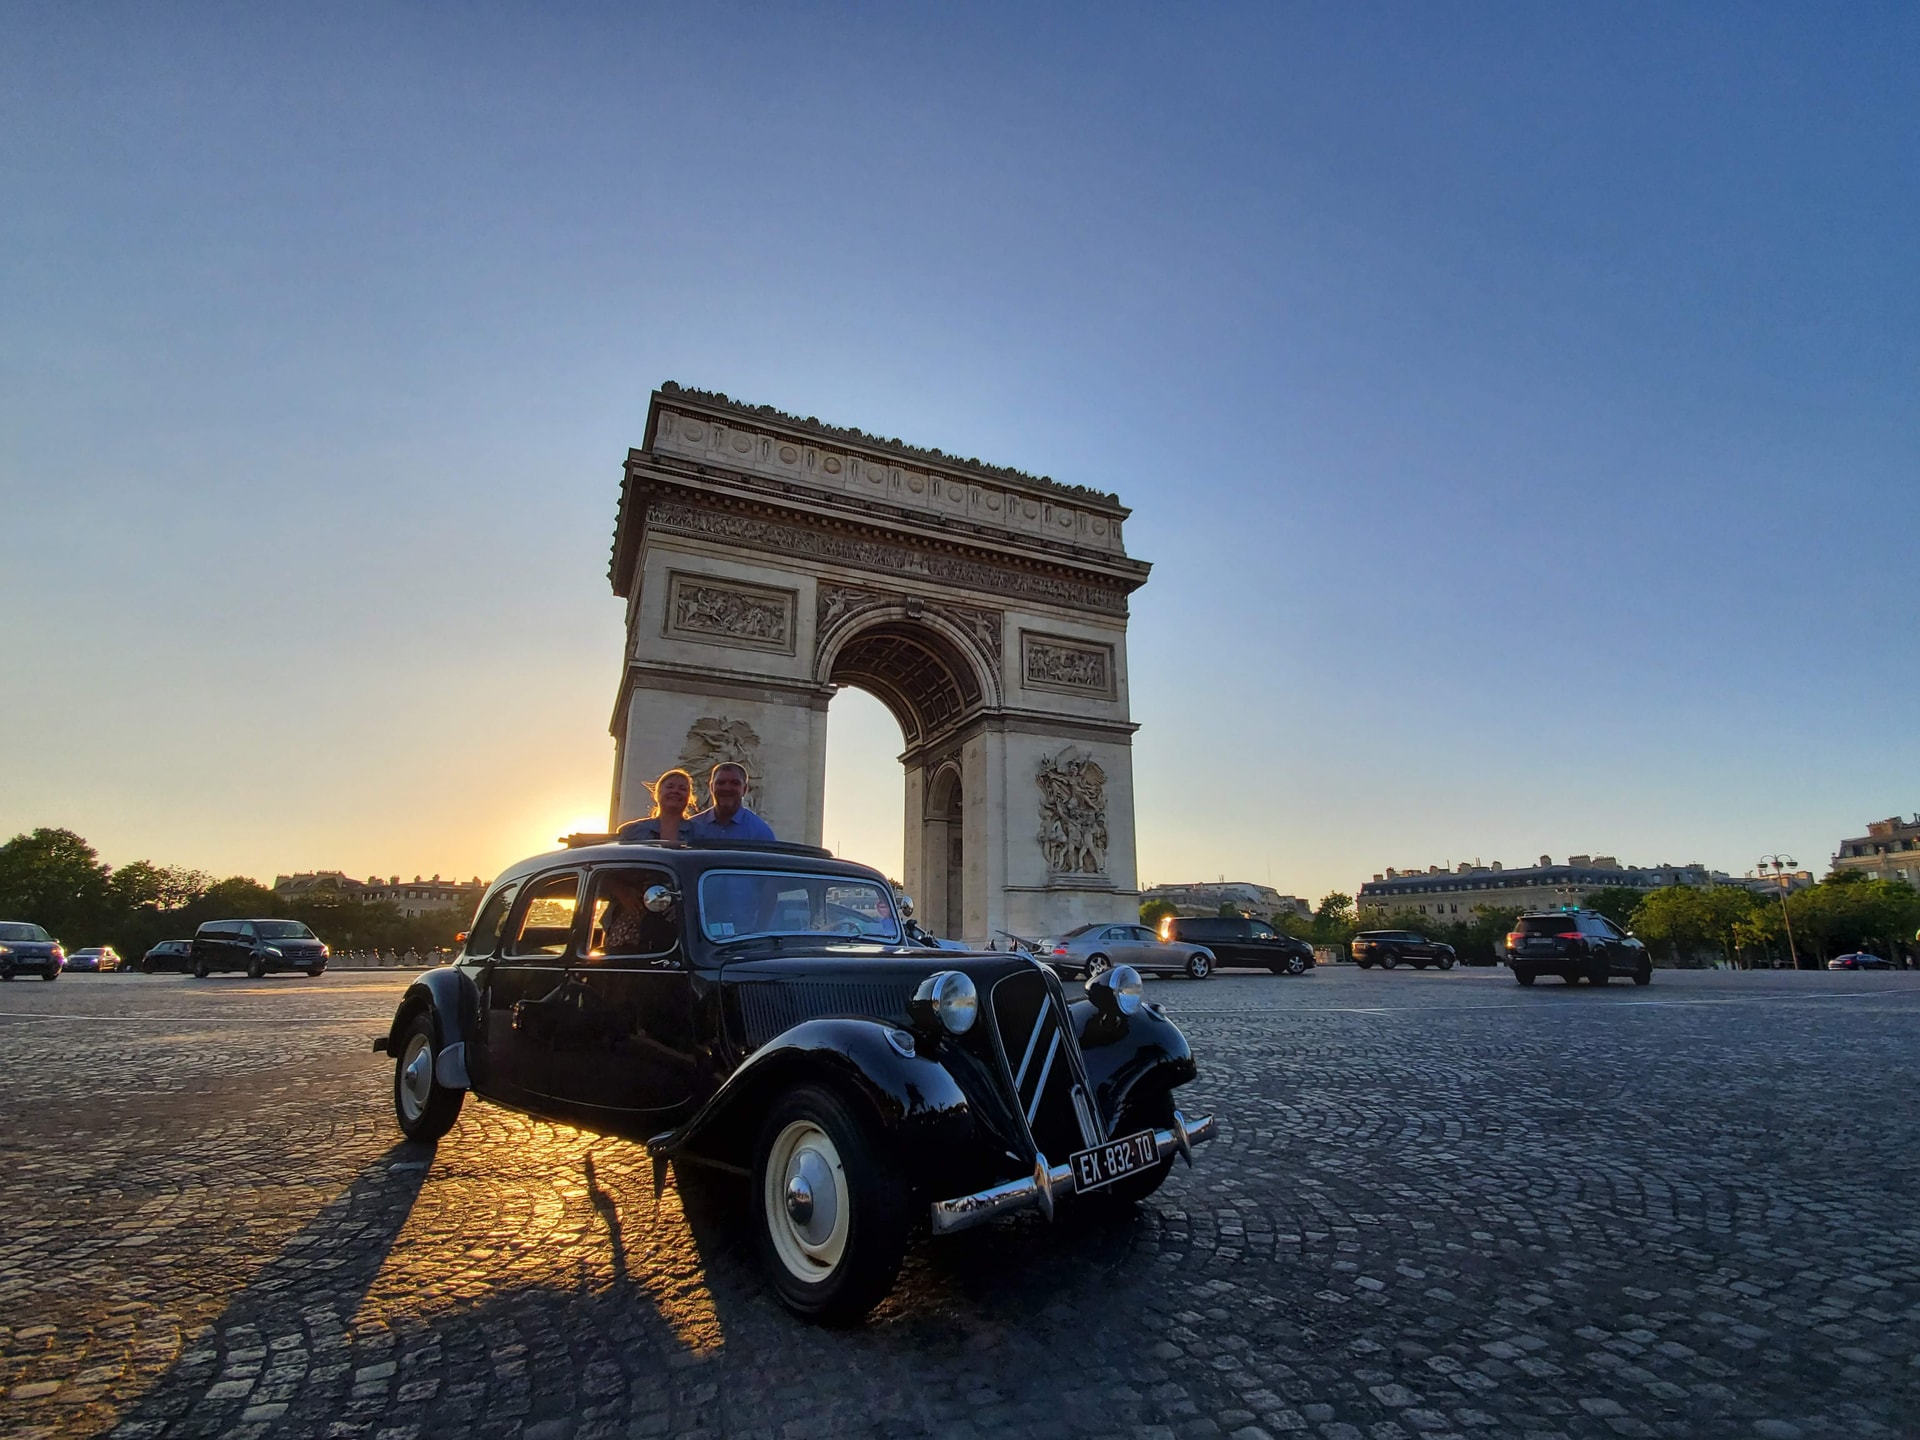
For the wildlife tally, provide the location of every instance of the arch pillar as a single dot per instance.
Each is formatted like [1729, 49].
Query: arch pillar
[767, 561]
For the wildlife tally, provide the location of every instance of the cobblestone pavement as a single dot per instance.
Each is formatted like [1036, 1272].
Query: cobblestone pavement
[1440, 1205]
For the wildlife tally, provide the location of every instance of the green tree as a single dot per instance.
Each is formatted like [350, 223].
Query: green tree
[1333, 919]
[54, 878]
[1688, 919]
[1616, 902]
[1228, 910]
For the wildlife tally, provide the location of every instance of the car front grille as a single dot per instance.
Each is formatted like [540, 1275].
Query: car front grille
[1041, 1059]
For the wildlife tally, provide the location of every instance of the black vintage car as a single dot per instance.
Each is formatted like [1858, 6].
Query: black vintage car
[757, 1008]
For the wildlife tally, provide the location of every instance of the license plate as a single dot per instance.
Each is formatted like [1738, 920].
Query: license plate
[1104, 1164]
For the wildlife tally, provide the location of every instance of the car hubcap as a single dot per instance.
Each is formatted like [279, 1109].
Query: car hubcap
[806, 1201]
[416, 1077]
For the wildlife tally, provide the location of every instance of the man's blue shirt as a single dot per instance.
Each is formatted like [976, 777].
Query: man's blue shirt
[745, 825]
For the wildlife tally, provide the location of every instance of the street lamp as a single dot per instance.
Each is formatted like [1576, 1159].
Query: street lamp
[1782, 867]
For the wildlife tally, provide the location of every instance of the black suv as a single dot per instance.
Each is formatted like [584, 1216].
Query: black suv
[259, 947]
[1389, 948]
[1240, 942]
[1572, 944]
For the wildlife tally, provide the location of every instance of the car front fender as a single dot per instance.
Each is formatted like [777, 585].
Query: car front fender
[1127, 1055]
[910, 1096]
[452, 999]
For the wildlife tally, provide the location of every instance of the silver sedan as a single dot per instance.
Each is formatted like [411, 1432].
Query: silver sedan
[1093, 948]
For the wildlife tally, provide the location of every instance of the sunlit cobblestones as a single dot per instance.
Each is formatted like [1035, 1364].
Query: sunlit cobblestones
[1440, 1206]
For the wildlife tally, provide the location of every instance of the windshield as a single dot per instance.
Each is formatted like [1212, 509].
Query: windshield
[10, 930]
[737, 903]
[281, 930]
[1548, 924]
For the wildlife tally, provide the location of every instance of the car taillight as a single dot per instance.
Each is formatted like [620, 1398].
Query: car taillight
[1059, 949]
[1567, 935]
[1515, 939]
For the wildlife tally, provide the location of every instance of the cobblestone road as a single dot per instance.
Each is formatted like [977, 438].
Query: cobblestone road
[1440, 1205]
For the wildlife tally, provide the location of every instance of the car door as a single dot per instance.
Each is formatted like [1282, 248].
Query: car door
[1266, 946]
[623, 1036]
[1116, 942]
[520, 1020]
[1609, 940]
[1143, 948]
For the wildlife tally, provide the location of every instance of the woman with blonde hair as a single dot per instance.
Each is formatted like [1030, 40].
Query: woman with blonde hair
[672, 795]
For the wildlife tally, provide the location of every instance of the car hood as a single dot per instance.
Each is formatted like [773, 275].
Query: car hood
[769, 994]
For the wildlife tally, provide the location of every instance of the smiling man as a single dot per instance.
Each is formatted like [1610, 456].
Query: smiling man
[728, 818]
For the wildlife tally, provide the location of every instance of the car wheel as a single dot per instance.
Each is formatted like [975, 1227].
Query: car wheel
[1364, 964]
[314, 972]
[832, 1213]
[52, 972]
[1599, 974]
[200, 971]
[1525, 977]
[1199, 966]
[1097, 965]
[1296, 965]
[425, 1108]
[256, 969]
[1644, 975]
[1446, 962]
[6, 974]
[1389, 960]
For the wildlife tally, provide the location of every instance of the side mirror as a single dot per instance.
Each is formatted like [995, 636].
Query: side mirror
[659, 899]
[906, 907]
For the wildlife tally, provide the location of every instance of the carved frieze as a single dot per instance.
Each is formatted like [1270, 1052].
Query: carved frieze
[730, 612]
[1072, 667]
[985, 628]
[886, 557]
[1073, 813]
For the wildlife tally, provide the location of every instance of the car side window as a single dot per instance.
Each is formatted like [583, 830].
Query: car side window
[544, 922]
[1141, 933]
[1604, 927]
[1114, 932]
[621, 924]
[485, 934]
[1261, 932]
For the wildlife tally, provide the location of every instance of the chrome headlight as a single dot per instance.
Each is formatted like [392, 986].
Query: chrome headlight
[1118, 991]
[949, 998]
[270, 952]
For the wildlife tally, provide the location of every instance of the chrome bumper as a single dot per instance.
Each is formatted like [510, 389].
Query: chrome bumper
[1049, 1183]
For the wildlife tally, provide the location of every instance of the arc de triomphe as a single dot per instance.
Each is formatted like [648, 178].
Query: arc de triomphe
[767, 560]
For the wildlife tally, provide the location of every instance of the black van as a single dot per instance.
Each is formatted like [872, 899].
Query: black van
[259, 947]
[1241, 942]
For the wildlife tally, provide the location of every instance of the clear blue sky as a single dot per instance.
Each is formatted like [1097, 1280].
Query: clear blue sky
[1520, 405]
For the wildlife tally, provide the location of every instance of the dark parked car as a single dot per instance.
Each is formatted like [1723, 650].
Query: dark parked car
[1859, 960]
[98, 959]
[1241, 942]
[259, 947]
[168, 955]
[1391, 948]
[27, 949]
[1093, 949]
[1574, 944]
[757, 1009]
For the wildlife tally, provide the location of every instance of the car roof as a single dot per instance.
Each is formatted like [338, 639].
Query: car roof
[693, 859]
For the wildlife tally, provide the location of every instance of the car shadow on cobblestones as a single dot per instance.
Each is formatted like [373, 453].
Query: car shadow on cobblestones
[298, 1305]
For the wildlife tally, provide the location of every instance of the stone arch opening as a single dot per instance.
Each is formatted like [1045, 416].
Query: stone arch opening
[932, 685]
